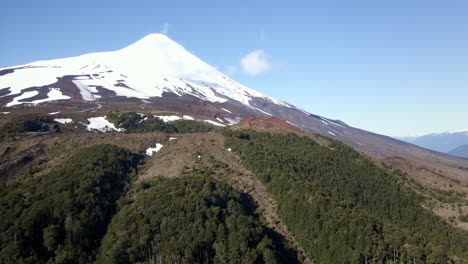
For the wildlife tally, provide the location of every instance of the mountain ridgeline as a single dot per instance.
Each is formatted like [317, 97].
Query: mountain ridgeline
[461, 151]
[338, 205]
[454, 143]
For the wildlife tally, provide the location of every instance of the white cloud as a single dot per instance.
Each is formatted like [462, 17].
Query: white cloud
[256, 62]
[165, 28]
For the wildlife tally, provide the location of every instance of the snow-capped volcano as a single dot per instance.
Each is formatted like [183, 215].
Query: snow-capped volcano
[148, 68]
[157, 74]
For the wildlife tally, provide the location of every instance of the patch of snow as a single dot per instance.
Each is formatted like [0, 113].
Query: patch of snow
[291, 123]
[323, 121]
[214, 123]
[331, 133]
[31, 76]
[174, 118]
[169, 118]
[233, 121]
[5, 113]
[150, 151]
[279, 102]
[220, 120]
[56, 94]
[54, 113]
[172, 138]
[79, 78]
[224, 109]
[229, 149]
[52, 95]
[86, 94]
[101, 124]
[63, 120]
[266, 113]
[455, 131]
[199, 156]
[25, 95]
[336, 124]
[303, 111]
[92, 89]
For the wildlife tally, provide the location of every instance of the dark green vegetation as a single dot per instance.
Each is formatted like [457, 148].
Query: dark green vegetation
[87, 208]
[134, 123]
[343, 208]
[27, 124]
[61, 217]
[340, 206]
[187, 220]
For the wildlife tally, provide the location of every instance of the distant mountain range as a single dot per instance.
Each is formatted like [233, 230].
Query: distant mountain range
[454, 142]
[461, 151]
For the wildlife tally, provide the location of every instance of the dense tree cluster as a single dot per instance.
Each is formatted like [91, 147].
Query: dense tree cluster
[343, 208]
[186, 220]
[85, 211]
[340, 206]
[26, 124]
[134, 123]
[61, 217]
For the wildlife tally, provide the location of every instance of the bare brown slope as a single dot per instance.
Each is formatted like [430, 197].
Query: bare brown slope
[269, 123]
[273, 124]
[199, 151]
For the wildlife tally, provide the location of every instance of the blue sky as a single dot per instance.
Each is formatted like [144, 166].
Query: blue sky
[393, 67]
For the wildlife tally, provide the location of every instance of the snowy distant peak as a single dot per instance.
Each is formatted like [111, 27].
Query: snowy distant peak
[153, 41]
[442, 142]
[165, 57]
[158, 54]
[462, 131]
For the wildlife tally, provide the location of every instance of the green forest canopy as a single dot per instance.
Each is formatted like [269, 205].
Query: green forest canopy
[343, 208]
[340, 206]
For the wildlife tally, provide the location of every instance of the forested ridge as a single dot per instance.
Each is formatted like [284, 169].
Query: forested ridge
[136, 123]
[187, 220]
[91, 209]
[340, 206]
[343, 208]
[61, 217]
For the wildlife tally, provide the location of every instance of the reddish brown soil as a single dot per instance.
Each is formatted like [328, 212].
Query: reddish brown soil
[268, 122]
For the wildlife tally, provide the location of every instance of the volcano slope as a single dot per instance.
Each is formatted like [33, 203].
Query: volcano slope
[210, 195]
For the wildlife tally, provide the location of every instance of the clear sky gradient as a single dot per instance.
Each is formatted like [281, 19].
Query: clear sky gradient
[393, 67]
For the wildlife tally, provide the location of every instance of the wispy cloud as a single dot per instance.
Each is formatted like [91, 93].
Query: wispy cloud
[256, 62]
[165, 28]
